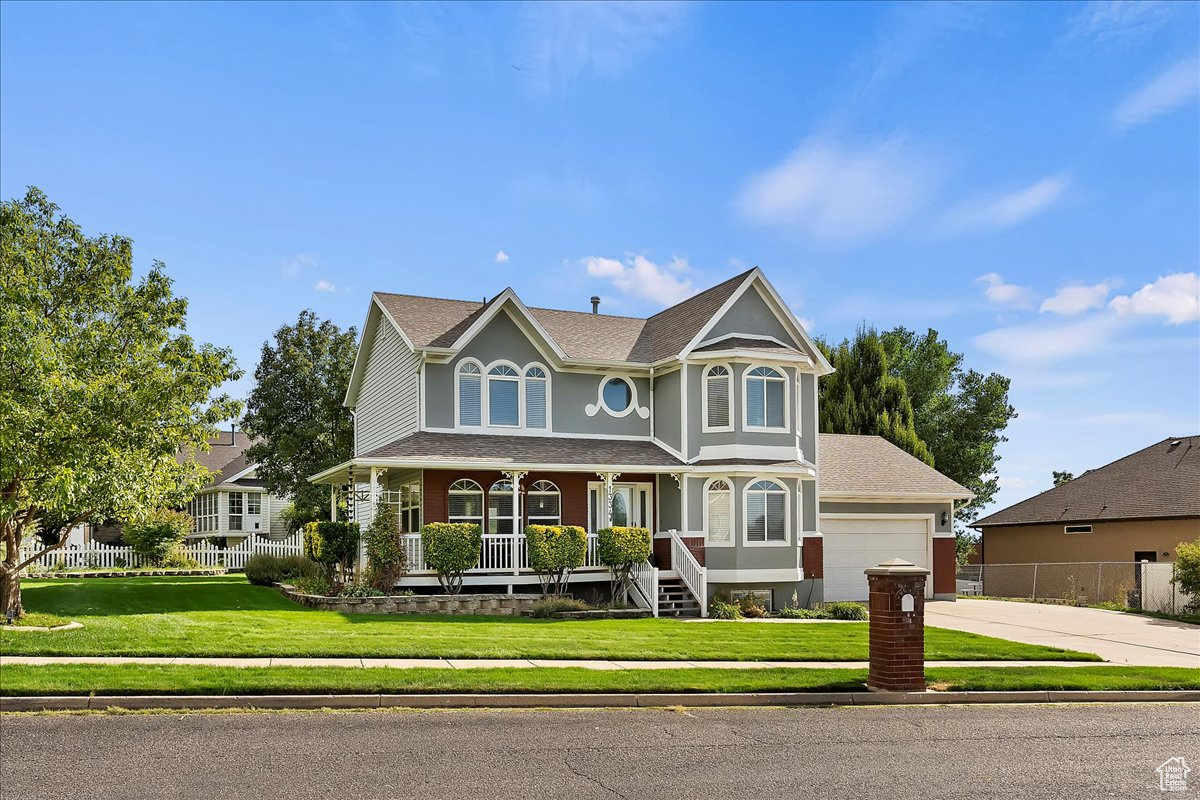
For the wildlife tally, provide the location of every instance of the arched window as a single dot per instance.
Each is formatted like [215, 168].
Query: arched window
[470, 394]
[500, 507]
[504, 390]
[718, 512]
[537, 398]
[766, 512]
[466, 502]
[544, 503]
[766, 399]
[718, 385]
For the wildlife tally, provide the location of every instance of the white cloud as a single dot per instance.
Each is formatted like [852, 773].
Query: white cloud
[294, 265]
[1006, 210]
[837, 194]
[1118, 21]
[638, 276]
[566, 40]
[1176, 297]
[1040, 342]
[1075, 299]
[1005, 294]
[324, 286]
[501, 257]
[1174, 87]
[1014, 483]
[808, 324]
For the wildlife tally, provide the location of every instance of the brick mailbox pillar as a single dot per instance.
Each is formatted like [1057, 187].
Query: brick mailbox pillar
[897, 626]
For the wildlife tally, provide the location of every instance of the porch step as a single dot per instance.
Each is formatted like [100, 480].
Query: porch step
[676, 600]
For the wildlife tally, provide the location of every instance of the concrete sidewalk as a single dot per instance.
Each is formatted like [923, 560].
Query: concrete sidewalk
[520, 663]
[1113, 635]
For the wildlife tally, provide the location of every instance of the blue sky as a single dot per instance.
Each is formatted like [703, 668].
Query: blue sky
[1023, 178]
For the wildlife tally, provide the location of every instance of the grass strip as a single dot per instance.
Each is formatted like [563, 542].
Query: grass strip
[111, 679]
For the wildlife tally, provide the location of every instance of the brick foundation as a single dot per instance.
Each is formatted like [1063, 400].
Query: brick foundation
[897, 636]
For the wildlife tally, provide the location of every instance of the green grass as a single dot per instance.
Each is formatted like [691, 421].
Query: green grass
[75, 679]
[226, 616]
[36, 619]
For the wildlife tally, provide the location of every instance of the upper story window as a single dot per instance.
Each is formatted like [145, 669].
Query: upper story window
[765, 400]
[500, 507]
[544, 502]
[253, 503]
[466, 502]
[618, 394]
[718, 383]
[718, 513]
[504, 391]
[470, 394]
[235, 511]
[766, 512]
[536, 398]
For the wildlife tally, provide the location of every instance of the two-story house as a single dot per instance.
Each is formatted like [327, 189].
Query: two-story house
[699, 423]
[235, 504]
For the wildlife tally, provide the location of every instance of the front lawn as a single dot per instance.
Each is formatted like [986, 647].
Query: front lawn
[134, 679]
[226, 616]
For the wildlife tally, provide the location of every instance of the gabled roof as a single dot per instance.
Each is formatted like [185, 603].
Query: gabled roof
[226, 456]
[871, 465]
[1160, 482]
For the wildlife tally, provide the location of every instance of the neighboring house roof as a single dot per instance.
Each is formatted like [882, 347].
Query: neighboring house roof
[225, 457]
[1162, 481]
[435, 322]
[871, 465]
[483, 450]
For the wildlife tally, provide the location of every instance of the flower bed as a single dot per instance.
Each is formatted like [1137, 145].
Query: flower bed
[501, 605]
[123, 573]
[605, 613]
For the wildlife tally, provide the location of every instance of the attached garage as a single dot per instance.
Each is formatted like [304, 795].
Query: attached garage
[853, 542]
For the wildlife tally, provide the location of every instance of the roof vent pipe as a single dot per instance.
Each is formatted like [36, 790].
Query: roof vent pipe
[595, 304]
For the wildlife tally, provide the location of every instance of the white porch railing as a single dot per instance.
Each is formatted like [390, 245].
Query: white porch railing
[694, 576]
[495, 555]
[113, 557]
[645, 586]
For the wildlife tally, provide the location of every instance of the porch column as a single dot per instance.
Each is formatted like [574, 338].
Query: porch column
[515, 476]
[333, 502]
[608, 478]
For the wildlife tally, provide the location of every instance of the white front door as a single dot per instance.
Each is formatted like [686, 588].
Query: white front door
[853, 543]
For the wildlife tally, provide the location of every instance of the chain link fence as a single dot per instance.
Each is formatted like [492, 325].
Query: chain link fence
[1142, 585]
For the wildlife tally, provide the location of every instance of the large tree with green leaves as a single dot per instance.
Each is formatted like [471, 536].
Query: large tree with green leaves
[296, 411]
[959, 413]
[863, 396]
[100, 387]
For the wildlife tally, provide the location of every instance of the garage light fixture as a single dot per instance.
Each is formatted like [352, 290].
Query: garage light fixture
[945, 517]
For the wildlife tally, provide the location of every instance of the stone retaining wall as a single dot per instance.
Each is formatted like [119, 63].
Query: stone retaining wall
[503, 605]
[126, 573]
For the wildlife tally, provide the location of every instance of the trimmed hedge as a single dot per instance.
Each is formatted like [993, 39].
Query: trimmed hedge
[620, 549]
[451, 548]
[555, 551]
[333, 544]
[266, 570]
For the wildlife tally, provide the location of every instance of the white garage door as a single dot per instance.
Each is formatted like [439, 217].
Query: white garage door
[851, 544]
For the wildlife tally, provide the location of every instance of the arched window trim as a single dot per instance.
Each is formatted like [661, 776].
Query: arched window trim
[543, 488]
[465, 486]
[787, 399]
[787, 511]
[459, 371]
[548, 381]
[704, 379]
[729, 492]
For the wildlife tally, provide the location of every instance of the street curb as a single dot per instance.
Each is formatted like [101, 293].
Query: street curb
[651, 700]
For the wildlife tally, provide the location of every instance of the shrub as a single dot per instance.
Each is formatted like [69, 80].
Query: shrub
[264, 570]
[791, 612]
[620, 549]
[844, 610]
[177, 559]
[451, 548]
[555, 551]
[1187, 570]
[386, 558]
[333, 544]
[156, 534]
[751, 609]
[724, 609]
[318, 585]
[544, 609]
[359, 589]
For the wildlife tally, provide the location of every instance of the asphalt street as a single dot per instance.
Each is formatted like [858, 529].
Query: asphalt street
[1063, 751]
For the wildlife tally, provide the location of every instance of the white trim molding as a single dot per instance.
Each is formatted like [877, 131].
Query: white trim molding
[777, 452]
[777, 575]
[787, 513]
[705, 376]
[784, 379]
[729, 491]
[592, 409]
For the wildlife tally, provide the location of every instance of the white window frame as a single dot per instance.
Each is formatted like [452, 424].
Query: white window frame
[525, 378]
[1067, 530]
[787, 513]
[592, 409]
[206, 513]
[477, 490]
[730, 492]
[509, 492]
[515, 378]
[409, 507]
[546, 488]
[458, 374]
[787, 398]
[256, 499]
[705, 377]
[241, 513]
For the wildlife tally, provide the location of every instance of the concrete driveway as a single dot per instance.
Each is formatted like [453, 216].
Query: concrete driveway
[1112, 635]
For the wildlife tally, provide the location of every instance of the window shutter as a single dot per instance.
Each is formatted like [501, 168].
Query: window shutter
[718, 401]
[535, 403]
[469, 405]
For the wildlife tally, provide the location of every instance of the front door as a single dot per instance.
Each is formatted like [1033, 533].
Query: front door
[630, 505]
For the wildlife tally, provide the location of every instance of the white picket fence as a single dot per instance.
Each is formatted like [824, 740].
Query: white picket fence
[112, 557]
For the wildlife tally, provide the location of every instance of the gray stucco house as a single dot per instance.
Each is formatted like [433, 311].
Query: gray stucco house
[699, 423]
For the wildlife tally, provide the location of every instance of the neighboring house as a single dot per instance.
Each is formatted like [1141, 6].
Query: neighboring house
[1137, 508]
[235, 503]
[699, 423]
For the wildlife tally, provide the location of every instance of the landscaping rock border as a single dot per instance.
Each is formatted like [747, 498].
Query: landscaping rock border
[501, 605]
[128, 573]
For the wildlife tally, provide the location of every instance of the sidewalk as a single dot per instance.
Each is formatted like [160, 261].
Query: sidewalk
[520, 663]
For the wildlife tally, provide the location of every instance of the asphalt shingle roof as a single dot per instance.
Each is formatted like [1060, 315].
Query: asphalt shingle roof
[1161, 481]
[873, 465]
[436, 322]
[225, 456]
[457, 448]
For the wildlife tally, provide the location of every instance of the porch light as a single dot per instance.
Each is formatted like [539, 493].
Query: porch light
[945, 517]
